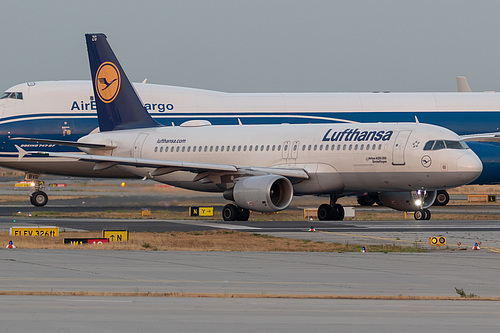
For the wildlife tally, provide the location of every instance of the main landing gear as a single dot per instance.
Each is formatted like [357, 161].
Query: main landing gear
[332, 211]
[38, 197]
[422, 214]
[232, 212]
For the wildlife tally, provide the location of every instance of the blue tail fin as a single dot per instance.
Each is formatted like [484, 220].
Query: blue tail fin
[118, 105]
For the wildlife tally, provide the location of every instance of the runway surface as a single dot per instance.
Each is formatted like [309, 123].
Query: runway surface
[436, 273]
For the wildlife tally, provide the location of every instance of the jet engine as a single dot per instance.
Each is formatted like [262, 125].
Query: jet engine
[406, 201]
[269, 193]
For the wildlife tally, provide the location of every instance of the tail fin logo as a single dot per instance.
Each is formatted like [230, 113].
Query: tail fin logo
[107, 82]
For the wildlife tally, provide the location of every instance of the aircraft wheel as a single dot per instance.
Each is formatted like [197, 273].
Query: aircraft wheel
[325, 212]
[420, 214]
[442, 198]
[427, 214]
[243, 215]
[338, 212]
[366, 200]
[230, 212]
[39, 199]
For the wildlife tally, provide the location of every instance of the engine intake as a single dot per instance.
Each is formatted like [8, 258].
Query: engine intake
[269, 193]
[405, 201]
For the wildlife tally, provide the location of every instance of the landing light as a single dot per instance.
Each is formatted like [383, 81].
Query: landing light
[418, 202]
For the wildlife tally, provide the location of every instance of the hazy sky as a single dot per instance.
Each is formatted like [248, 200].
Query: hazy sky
[260, 45]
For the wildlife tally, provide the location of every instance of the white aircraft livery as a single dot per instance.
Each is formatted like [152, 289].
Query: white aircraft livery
[261, 167]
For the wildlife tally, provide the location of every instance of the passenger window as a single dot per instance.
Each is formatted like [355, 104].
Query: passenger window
[356, 146]
[177, 149]
[279, 147]
[216, 148]
[267, 148]
[205, 149]
[211, 148]
[221, 148]
[245, 148]
[309, 147]
[189, 149]
[274, 148]
[361, 147]
[239, 148]
[320, 147]
[161, 149]
[350, 146]
[183, 148]
[345, 146]
[156, 149]
[315, 147]
[250, 148]
[380, 146]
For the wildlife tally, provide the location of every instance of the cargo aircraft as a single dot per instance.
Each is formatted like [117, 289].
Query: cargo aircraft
[66, 110]
[261, 167]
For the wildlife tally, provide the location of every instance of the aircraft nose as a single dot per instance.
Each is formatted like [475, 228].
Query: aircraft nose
[470, 165]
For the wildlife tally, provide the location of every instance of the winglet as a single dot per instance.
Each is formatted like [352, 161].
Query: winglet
[21, 151]
[416, 120]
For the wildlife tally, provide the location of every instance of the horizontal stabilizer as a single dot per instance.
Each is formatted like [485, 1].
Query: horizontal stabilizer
[485, 137]
[66, 143]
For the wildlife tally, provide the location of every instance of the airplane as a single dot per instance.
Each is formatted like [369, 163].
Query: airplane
[261, 167]
[66, 110]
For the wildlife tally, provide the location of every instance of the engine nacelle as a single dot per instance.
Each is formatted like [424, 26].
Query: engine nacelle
[406, 201]
[268, 193]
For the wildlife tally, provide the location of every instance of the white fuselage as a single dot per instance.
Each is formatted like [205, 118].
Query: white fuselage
[337, 157]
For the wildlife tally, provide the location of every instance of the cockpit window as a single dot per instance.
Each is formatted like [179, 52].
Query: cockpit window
[429, 144]
[439, 145]
[443, 144]
[12, 95]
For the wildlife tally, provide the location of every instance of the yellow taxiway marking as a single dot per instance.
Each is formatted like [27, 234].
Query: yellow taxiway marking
[493, 249]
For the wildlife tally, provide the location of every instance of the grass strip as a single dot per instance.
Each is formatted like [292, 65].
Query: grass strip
[238, 295]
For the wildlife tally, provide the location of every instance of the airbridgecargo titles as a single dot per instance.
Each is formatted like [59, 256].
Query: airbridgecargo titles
[83, 106]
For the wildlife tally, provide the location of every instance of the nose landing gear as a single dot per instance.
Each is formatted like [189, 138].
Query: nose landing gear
[38, 197]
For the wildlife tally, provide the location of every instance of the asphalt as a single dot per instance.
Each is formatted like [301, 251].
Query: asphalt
[434, 273]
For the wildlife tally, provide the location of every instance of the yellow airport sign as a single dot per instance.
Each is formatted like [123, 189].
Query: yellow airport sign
[115, 235]
[35, 231]
[201, 211]
[437, 241]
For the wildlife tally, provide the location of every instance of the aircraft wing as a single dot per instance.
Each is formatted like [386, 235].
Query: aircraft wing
[164, 167]
[484, 137]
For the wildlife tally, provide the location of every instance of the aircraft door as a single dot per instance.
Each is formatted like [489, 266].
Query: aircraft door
[398, 151]
[295, 149]
[139, 142]
[286, 149]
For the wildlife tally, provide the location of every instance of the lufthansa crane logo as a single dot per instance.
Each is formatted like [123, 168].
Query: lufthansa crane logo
[107, 81]
[426, 161]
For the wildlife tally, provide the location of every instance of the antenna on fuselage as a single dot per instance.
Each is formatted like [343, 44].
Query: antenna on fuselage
[416, 120]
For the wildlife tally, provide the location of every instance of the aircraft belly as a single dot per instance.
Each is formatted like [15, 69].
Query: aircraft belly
[403, 181]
